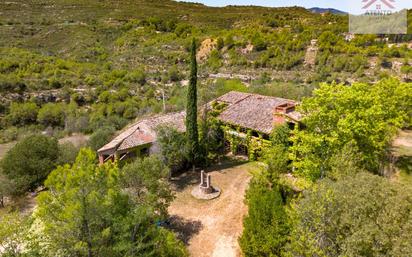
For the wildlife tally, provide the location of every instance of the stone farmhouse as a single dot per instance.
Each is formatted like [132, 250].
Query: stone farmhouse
[247, 121]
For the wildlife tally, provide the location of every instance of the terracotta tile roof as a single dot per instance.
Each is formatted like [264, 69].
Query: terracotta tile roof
[232, 97]
[246, 110]
[144, 131]
[137, 138]
[251, 111]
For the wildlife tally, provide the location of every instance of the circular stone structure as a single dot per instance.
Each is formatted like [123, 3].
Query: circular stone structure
[209, 194]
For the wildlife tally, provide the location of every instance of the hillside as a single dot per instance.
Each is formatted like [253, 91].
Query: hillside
[325, 10]
[121, 58]
[173, 129]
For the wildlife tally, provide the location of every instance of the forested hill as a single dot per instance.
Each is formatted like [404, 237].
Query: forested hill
[107, 30]
[59, 27]
[116, 59]
[325, 10]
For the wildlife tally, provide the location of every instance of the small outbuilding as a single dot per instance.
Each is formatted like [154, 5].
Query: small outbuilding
[139, 139]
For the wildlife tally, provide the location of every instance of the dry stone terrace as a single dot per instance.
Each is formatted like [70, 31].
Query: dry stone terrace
[255, 112]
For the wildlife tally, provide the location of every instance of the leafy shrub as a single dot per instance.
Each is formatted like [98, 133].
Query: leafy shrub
[214, 61]
[183, 29]
[265, 226]
[276, 157]
[220, 43]
[8, 134]
[406, 69]
[147, 180]
[137, 76]
[13, 233]
[173, 147]
[29, 162]
[173, 74]
[100, 137]
[52, 114]
[67, 153]
[280, 136]
[22, 113]
[356, 216]
[259, 43]
[7, 188]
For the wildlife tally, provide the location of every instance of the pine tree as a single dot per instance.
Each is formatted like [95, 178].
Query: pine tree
[191, 109]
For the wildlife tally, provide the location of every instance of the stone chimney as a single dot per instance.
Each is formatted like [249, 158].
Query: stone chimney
[281, 110]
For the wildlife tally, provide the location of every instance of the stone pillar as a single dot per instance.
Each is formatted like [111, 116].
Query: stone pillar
[101, 159]
[202, 175]
[208, 181]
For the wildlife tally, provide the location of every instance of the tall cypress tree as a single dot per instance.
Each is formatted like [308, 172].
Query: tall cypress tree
[191, 109]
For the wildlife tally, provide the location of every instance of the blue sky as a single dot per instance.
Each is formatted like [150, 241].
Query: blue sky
[344, 5]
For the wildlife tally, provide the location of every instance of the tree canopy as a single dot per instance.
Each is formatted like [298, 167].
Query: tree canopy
[366, 117]
[89, 210]
[361, 215]
[29, 162]
[266, 224]
[173, 147]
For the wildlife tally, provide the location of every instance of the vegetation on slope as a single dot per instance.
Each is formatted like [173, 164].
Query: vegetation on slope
[120, 60]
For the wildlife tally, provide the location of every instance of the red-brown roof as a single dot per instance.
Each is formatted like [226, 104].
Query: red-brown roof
[143, 132]
[251, 110]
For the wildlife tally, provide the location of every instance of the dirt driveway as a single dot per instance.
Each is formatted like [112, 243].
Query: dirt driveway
[211, 228]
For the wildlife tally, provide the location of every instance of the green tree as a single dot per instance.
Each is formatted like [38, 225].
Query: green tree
[363, 116]
[52, 114]
[266, 224]
[137, 76]
[276, 157]
[229, 42]
[220, 43]
[14, 228]
[67, 153]
[22, 114]
[214, 61]
[6, 188]
[360, 215]
[88, 212]
[147, 181]
[328, 40]
[29, 162]
[281, 136]
[100, 137]
[173, 147]
[211, 133]
[191, 109]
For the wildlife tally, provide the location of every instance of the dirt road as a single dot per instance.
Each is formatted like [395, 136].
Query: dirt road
[211, 228]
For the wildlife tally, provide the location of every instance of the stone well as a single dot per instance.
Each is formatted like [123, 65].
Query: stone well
[205, 190]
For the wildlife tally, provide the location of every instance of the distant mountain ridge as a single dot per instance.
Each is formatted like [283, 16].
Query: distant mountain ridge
[324, 10]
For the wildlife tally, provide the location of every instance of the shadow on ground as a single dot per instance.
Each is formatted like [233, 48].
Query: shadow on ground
[404, 163]
[185, 229]
[190, 178]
